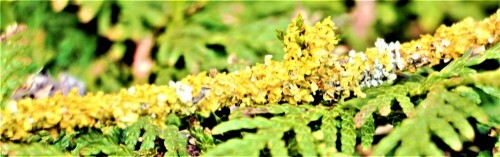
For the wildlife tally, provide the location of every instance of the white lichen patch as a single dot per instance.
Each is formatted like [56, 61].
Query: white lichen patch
[445, 43]
[185, 92]
[131, 90]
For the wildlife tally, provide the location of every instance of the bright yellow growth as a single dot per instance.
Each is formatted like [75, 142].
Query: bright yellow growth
[309, 71]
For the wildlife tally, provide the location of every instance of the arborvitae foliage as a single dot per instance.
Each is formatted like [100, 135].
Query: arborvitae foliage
[270, 132]
[15, 149]
[15, 60]
[145, 136]
[141, 138]
[438, 105]
[444, 110]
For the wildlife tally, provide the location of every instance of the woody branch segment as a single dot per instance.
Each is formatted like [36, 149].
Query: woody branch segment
[309, 69]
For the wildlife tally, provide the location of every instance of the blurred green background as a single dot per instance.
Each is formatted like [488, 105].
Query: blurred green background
[114, 44]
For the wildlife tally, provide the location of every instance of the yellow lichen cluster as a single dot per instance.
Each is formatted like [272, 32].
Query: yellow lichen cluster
[451, 42]
[92, 110]
[309, 70]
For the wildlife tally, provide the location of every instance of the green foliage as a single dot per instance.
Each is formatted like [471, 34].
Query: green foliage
[433, 115]
[56, 41]
[497, 146]
[203, 138]
[62, 35]
[348, 132]
[174, 141]
[296, 119]
[446, 101]
[367, 133]
[34, 149]
[442, 111]
[384, 96]
[141, 138]
[16, 63]
[143, 131]
[329, 128]
[94, 143]
[431, 14]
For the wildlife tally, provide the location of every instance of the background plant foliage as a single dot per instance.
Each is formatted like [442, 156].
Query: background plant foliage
[99, 41]
[448, 111]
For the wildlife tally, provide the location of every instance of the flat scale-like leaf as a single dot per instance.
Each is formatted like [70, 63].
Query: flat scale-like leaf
[329, 128]
[367, 133]
[174, 141]
[149, 137]
[93, 143]
[245, 123]
[33, 149]
[458, 120]
[305, 140]
[248, 146]
[277, 147]
[348, 132]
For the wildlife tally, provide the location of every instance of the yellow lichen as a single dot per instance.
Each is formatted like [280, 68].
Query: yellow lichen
[309, 70]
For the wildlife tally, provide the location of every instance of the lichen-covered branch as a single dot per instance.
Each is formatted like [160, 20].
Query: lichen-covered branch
[309, 69]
